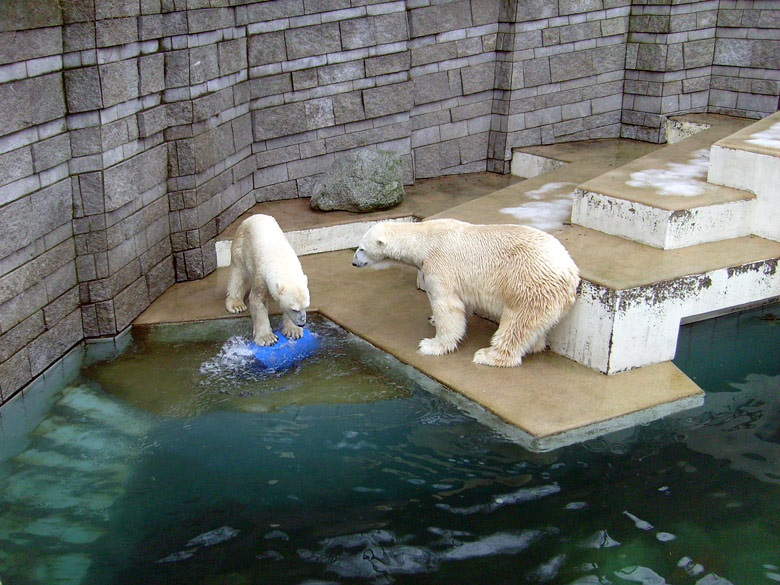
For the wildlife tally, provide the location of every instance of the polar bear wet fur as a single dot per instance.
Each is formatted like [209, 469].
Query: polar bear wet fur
[263, 263]
[519, 276]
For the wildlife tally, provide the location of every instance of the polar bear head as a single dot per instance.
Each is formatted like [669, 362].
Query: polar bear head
[373, 249]
[294, 300]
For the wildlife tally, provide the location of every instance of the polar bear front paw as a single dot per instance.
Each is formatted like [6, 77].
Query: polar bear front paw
[433, 347]
[292, 332]
[234, 305]
[266, 338]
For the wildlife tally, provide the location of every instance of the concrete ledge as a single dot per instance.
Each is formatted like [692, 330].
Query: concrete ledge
[664, 200]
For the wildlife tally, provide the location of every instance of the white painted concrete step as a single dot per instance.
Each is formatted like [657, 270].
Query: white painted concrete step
[664, 199]
[749, 160]
[633, 298]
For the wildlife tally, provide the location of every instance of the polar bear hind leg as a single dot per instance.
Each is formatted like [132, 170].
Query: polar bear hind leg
[449, 318]
[518, 333]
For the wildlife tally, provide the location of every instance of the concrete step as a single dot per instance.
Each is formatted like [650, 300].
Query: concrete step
[749, 160]
[633, 298]
[664, 199]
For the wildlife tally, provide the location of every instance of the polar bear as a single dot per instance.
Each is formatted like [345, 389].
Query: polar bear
[263, 262]
[518, 276]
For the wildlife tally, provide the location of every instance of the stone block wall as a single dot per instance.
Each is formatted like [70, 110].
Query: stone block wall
[669, 60]
[132, 132]
[745, 79]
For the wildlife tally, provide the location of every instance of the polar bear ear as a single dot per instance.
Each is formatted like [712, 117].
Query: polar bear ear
[279, 287]
[380, 243]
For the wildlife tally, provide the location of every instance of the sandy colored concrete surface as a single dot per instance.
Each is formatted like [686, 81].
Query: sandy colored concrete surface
[551, 400]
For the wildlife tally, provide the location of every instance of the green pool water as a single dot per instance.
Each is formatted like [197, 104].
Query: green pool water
[179, 463]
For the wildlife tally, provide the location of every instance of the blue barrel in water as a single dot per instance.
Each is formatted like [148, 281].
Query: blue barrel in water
[285, 352]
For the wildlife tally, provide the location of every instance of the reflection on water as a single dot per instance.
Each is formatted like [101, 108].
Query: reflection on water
[180, 463]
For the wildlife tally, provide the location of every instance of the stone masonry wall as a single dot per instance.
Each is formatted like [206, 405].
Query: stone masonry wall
[132, 132]
[745, 80]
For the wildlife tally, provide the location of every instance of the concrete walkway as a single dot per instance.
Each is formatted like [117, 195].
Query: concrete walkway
[551, 400]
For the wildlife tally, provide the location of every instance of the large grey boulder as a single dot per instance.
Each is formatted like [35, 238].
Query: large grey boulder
[361, 181]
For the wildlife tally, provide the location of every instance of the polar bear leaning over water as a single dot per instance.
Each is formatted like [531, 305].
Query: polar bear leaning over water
[519, 276]
[263, 262]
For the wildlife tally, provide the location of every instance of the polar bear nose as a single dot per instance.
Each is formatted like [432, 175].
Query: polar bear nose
[299, 318]
[360, 258]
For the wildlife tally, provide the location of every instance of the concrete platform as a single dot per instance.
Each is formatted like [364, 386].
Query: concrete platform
[550, 400]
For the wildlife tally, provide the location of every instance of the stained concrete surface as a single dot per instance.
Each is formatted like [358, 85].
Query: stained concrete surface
[551, 400]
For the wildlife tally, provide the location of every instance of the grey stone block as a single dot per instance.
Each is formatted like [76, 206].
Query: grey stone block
[434, 87]
[536, 72]
[30, 44]
[204, 63]
[440, 18]
[279, 121]
[61, 307]
[391, 27]
[16, 165]
[16, 15]
[567, 7]
[485, 11]
[319, 113]
[312, 40]
[265, 11]
[651, 57]
[177, 68]
[55, 342]
[304, 79]
[342, 72]
[357, 33]
[78, 36]
[571, 66]
[125, 181]
[314, 6]
[232, 56]
[478, 78]
[14, 374]
[119, 81]
[150, 26]
[429, 161]
[266, 48]
[114, 9]
[530, 10]
[52, 151]
[151, 121]
[309, 167]
[21, 306]
[210, 19]
[271, 85]
[348, 107]
[116, 31]
[212, 104]
[434, 53]
[91, 190]
[388, 99]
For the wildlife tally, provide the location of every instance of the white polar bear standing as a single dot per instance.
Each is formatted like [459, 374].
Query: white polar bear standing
[519, 276]
[263, 263]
